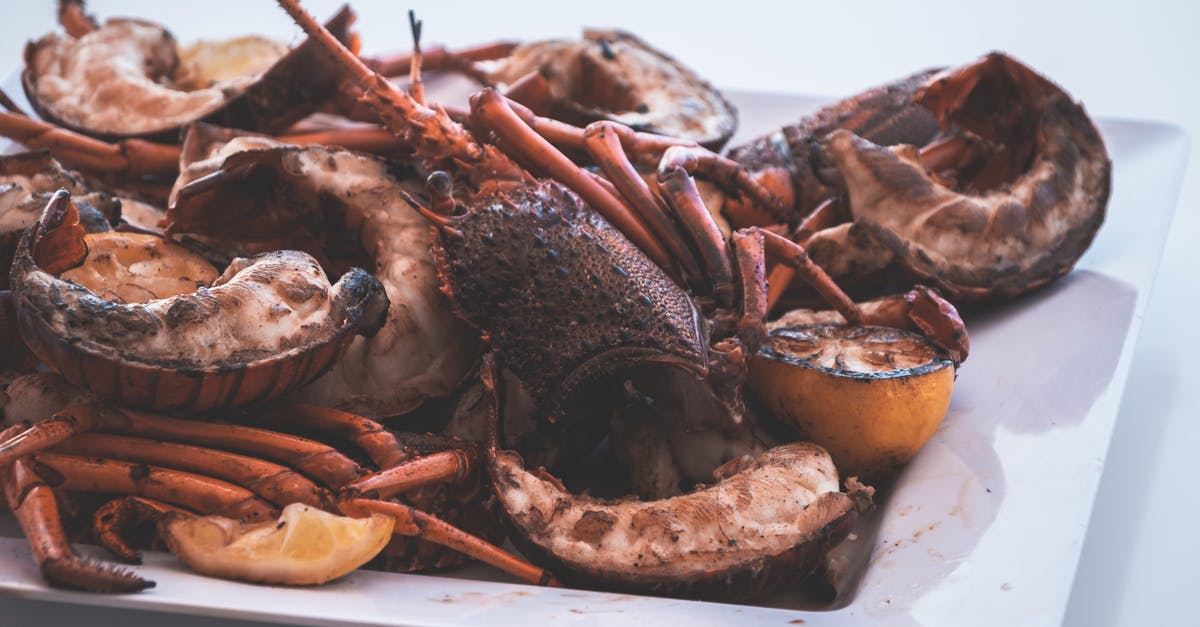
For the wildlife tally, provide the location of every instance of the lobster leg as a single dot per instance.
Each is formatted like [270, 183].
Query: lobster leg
[34, 504]
[440, 467]
[493, 111]
[603, 143]
[380, 444]
[644, 149]
[769, 192]
[132, 157]
[828, 214]
[59, 427]
[921, 309]
[726, 173]
[115, 518]
[195, 492]
[926, 311]
[414, 522]
[314, 459]
[320, 461]
[277, 484]
[136, 157]
[681, 192]
[679, 187]
[402, 469]
[793, 255]
[669, 153]
[531, 90]
[750, 256]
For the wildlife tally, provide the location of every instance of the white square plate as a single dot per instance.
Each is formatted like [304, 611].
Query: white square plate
[986, 523]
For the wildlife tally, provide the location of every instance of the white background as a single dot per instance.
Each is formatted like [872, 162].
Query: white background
[1122, 59]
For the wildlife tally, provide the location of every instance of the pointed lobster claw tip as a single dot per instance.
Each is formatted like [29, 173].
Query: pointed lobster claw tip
[56, 242]
[83, 574]
[441, 211]
[56, 211]
[488, 96]
[939, 321]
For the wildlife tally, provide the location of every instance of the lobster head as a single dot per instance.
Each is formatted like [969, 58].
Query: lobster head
[588, 325]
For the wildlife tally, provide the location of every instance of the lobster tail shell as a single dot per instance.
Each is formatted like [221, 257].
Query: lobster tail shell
[292, 88]
[1022, 218]
[885, 115]
[92, 341]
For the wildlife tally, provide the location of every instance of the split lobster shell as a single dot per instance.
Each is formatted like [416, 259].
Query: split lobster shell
[93, 342]
[287, 91]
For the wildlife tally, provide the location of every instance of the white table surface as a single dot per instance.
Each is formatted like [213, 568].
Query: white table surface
[1123, 59]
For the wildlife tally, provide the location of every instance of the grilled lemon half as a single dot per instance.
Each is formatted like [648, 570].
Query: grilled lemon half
[872, 396]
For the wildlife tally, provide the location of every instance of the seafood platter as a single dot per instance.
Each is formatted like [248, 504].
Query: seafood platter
[544, 321]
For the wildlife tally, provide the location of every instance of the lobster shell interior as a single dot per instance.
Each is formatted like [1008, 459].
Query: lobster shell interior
[117, 374]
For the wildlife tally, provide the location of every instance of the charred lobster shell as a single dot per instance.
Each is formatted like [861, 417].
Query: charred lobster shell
[536, 258]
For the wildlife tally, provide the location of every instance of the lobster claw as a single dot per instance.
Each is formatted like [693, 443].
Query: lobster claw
[939, 321]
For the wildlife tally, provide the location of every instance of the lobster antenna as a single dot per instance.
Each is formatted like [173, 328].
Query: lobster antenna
[415, 87]
[8, 103]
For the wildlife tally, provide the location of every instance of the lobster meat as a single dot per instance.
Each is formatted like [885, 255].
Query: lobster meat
[784, 503]
[985, 180]
[125, 79]
[273, 320]
[336, 205]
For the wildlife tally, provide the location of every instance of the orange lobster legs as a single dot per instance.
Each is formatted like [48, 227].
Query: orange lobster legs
[382, 446]
[136, 158]
[34, 504]
[766, 194]
[130, 157]
[113, 520]
[100, 449]
[921, 309]
[447, 145]
[272, 482]
[413, 522]
[195, 492]
[315, 460]
[491, 109]
[29, 485]
[676, 218]
[401, 468]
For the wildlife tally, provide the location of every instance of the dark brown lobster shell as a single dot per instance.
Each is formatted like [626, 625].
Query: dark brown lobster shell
[562, 295]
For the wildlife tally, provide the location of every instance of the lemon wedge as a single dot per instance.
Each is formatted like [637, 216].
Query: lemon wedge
[305, 546]
[872, 396]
